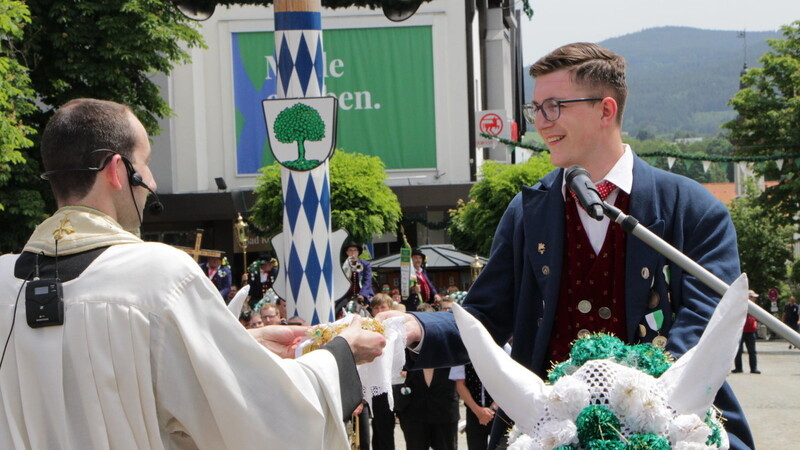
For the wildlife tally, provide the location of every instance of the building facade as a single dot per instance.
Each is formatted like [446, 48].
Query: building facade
[409, 92]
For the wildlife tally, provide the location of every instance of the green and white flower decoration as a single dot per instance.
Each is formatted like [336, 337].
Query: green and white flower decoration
[612, 396]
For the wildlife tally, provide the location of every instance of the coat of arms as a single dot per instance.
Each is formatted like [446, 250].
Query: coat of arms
[302, 131]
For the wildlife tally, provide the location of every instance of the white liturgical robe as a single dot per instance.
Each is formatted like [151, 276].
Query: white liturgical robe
[150, 358]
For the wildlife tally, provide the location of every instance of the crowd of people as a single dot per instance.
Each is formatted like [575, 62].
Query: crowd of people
[427, 401]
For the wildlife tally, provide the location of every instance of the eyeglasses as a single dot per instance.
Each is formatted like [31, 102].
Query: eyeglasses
[551, 108]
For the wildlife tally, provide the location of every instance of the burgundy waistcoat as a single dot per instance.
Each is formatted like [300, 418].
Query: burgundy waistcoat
[596, 280]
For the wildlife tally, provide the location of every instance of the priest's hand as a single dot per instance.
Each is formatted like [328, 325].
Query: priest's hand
[281, 340]
[412, 326]
[365, 345]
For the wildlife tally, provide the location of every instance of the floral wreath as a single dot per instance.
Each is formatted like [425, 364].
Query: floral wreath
[609, 396]
[605, 398]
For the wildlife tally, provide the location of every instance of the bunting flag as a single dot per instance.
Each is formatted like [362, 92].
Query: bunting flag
[742, 167]
[746, 164]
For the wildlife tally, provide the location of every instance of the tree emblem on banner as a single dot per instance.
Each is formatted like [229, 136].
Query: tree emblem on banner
[302, 132]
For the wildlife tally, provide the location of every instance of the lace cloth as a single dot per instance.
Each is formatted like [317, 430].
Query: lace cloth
[377, 376]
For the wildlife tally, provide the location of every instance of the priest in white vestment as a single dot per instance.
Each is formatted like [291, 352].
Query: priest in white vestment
[147, 356]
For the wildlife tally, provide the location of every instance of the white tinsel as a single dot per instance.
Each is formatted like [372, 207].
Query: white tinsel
[683, 445]
[521, 442]
[568, 397]
[635, 396]
[688, 428]
[558, 433]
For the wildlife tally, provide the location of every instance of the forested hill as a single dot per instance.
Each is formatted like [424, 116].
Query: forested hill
[681, 78]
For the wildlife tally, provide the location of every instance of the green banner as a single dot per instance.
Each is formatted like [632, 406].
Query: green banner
[405, 268]
[383, 78]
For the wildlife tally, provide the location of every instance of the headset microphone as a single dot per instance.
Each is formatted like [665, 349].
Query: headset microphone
[156, 207]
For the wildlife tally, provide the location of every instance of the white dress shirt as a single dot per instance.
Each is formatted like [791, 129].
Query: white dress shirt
[622, 176]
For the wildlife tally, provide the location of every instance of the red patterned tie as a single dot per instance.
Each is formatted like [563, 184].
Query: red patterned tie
[605, 189]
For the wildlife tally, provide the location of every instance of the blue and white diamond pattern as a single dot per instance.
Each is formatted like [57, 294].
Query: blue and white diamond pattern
[307, 249]
[300, 63]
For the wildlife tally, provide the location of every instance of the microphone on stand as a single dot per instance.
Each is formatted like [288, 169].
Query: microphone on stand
[578, 181]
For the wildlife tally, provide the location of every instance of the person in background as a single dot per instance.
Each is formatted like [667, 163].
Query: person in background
[423, 291]
[749, 339]
[430, 418]
[281, 304]
[231, 293]
[446, 304]
[270, 315]
[255, 321]
[262, 278]
[219, 275]
[383, 419]
[359, 272]
[791, 315]
[380, 303]
[480, 408]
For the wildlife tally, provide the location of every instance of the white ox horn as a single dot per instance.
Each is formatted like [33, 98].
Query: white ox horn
[693, 381]
[520, 393]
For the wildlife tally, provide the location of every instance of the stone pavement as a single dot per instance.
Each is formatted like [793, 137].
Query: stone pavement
[771, 400]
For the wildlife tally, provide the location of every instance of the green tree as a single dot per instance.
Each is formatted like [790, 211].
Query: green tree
[21, 203]
[361, 202]
[794, 277]
[299, 123]
[474, 222]
[105, 49]
[16, 95]
[764, 245]
[769, 118]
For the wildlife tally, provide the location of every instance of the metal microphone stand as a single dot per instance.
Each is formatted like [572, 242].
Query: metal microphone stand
[631, 225]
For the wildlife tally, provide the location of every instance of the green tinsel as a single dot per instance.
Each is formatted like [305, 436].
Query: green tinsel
[605, 445]
[715, 438]
[647, 358]
[667, 154]
[559, 370]
[564, 447]
[647, 442]
[595, 346]
[597, 422]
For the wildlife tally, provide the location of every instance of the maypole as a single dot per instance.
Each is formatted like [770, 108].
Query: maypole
[307, 252]
[301, 126]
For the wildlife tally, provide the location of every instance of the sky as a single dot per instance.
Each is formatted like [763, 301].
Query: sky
[559, 22]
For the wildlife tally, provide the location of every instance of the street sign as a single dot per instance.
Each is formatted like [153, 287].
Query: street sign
[773, 295]
[494, 122]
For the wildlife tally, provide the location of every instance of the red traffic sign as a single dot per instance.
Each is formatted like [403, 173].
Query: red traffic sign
[491, 124]
[773, 295]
